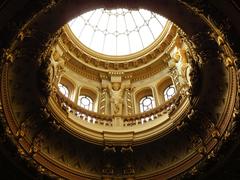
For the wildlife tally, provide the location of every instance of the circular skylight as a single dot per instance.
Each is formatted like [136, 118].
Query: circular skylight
[118, 31]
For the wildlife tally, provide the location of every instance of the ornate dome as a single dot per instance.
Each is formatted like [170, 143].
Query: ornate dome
[121, 96]
[74, 109]
[117, 31]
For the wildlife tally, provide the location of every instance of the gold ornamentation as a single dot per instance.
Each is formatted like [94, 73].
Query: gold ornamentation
[211, 155]
[36, 145]
[8, 55]
[21, 132]
[126, 149]
[21, 151]
[215, 134]
[24, 33]
[202, 150]
[194, 170]
[109, 149]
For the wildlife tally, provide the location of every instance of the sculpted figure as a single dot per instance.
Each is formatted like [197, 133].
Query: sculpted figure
[116, 98]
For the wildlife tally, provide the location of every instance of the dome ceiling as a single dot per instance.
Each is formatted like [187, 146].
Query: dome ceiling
[197, 141]
[117, 31]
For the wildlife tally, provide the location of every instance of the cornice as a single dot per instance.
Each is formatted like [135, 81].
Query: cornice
[168, 33]
[73, 54]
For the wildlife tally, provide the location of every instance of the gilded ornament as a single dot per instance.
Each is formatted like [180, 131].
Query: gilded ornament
[9, 56]
[215, 134]
[202, 150]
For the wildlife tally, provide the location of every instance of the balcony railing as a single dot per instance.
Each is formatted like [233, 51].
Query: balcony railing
[69, 106]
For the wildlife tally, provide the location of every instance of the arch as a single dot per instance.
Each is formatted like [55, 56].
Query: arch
[69, 84]
[161, 87]
[146, 103]
[63, 89]
[169, 92]
[89, 95]
[140, 94]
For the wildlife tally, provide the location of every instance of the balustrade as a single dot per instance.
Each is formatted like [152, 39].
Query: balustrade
[107, 120]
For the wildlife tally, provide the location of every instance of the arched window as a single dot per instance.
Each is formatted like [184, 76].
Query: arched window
[85, 102]
[147, 103]
[169, 92]
[63, 89]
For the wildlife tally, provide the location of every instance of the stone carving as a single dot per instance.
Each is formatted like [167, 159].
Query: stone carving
[36, 144]
[228, 61]
[108, 170]
[21, 132]
[109, 149]
[126, 149]
[212, 154]
[202, 150]
[102, 104]
[23, 34]
[181, 125]
[116, 98]
[44, 113]
[129, 101]
[129, 169]
[215, 134]
[45, 76]
[8, 55]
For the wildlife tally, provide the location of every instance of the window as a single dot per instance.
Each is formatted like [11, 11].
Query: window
[85, 102]
[63, 89]
[117, 31]
[147, 103]
[169, 92]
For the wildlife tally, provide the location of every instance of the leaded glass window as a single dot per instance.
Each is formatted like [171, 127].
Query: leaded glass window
[147, 103]
[85, 102]
[169, 92]
[117, 31]
[63, 89]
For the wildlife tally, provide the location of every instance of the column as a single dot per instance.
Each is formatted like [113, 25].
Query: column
[155, 96]
[129, 102]
[102, 101]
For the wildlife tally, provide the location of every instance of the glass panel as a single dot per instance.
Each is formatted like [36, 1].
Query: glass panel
[146, 36]
[145, 14]
[103, 22]
[129, 22]
[141, 27]
[112, 25]
[121, 25]
[97, 41]
[95, 18]
[85, 102]
[121, 42]
[86, 35]
[146, 103]
[155, 26]
[169, 92]
[77, 26]
[135, 42]
[63, 89]
[138, 18]
[110, 45]
[87, 15]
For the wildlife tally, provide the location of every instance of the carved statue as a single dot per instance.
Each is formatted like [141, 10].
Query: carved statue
[116, 98]
[182, 68]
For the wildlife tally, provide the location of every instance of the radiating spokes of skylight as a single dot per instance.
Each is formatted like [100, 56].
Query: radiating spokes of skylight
[118, 31]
